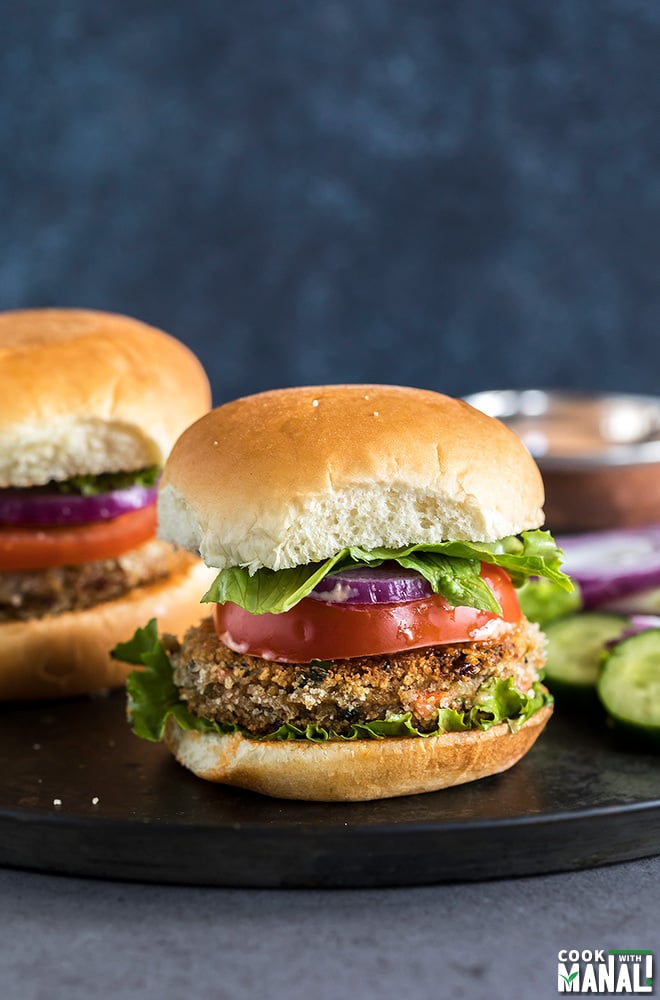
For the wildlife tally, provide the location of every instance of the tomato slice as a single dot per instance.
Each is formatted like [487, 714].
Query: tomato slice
[318, 630]
[44, 548]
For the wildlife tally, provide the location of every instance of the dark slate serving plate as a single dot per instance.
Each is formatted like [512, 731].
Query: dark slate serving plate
[80, 795]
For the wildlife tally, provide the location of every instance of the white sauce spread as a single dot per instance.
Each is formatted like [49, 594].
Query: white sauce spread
[340, 593]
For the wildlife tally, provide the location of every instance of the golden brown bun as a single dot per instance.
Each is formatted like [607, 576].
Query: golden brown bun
[69, 654]
[292, 476]
[356, 770]
[89, 392]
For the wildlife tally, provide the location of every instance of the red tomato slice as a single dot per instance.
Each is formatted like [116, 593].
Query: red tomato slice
[318, 630]
[43, 548]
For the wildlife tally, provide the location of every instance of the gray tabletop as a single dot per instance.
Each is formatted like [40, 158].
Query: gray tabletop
[71, 938]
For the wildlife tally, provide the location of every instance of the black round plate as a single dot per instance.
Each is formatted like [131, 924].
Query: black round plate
[80, 795]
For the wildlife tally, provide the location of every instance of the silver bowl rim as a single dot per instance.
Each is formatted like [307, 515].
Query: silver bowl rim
[613, 455]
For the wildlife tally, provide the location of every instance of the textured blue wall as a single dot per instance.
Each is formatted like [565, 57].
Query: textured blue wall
[460, 194]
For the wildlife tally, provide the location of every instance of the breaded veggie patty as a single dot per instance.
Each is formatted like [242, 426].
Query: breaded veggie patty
[259, 695]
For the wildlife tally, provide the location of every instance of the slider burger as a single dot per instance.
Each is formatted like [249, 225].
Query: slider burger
[91, 405]
[366, 640]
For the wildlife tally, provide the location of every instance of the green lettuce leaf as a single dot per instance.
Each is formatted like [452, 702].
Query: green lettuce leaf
[451, 568]
[106, 482]
[544, 601]
[152, 694]
[153, 697]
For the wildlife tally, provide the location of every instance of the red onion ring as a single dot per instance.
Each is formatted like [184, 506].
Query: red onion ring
[609, 565]
[636, 624]
[32, 507]
[372, 585]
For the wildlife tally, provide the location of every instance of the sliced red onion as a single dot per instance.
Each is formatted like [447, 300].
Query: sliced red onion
[609, 565]
[30, 506]
[377, 585]
[640, 623]
[642, 602]
[636, 624]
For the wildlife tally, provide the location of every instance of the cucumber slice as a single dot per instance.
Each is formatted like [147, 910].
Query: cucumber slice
[575, 647]
[629, 683]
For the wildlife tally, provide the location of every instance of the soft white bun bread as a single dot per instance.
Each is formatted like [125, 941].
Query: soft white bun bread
[292, 476]
[352, 771]
[69, 654]
[90, 392]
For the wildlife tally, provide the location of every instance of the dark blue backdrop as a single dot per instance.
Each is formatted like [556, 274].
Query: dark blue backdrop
[459, 194]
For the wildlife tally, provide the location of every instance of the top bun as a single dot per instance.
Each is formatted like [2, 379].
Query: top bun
[292, 476]
[90, 392]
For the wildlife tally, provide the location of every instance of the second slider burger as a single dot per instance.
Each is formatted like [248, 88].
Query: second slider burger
[366, 639]
[90, 405]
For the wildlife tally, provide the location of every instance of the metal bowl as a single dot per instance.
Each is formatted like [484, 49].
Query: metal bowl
[599, 454]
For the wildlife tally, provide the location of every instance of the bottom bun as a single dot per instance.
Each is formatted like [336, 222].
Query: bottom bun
[336, 771]
[58, 656]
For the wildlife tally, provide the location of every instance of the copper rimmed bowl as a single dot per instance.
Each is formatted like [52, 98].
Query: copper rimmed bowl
[599, 453]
